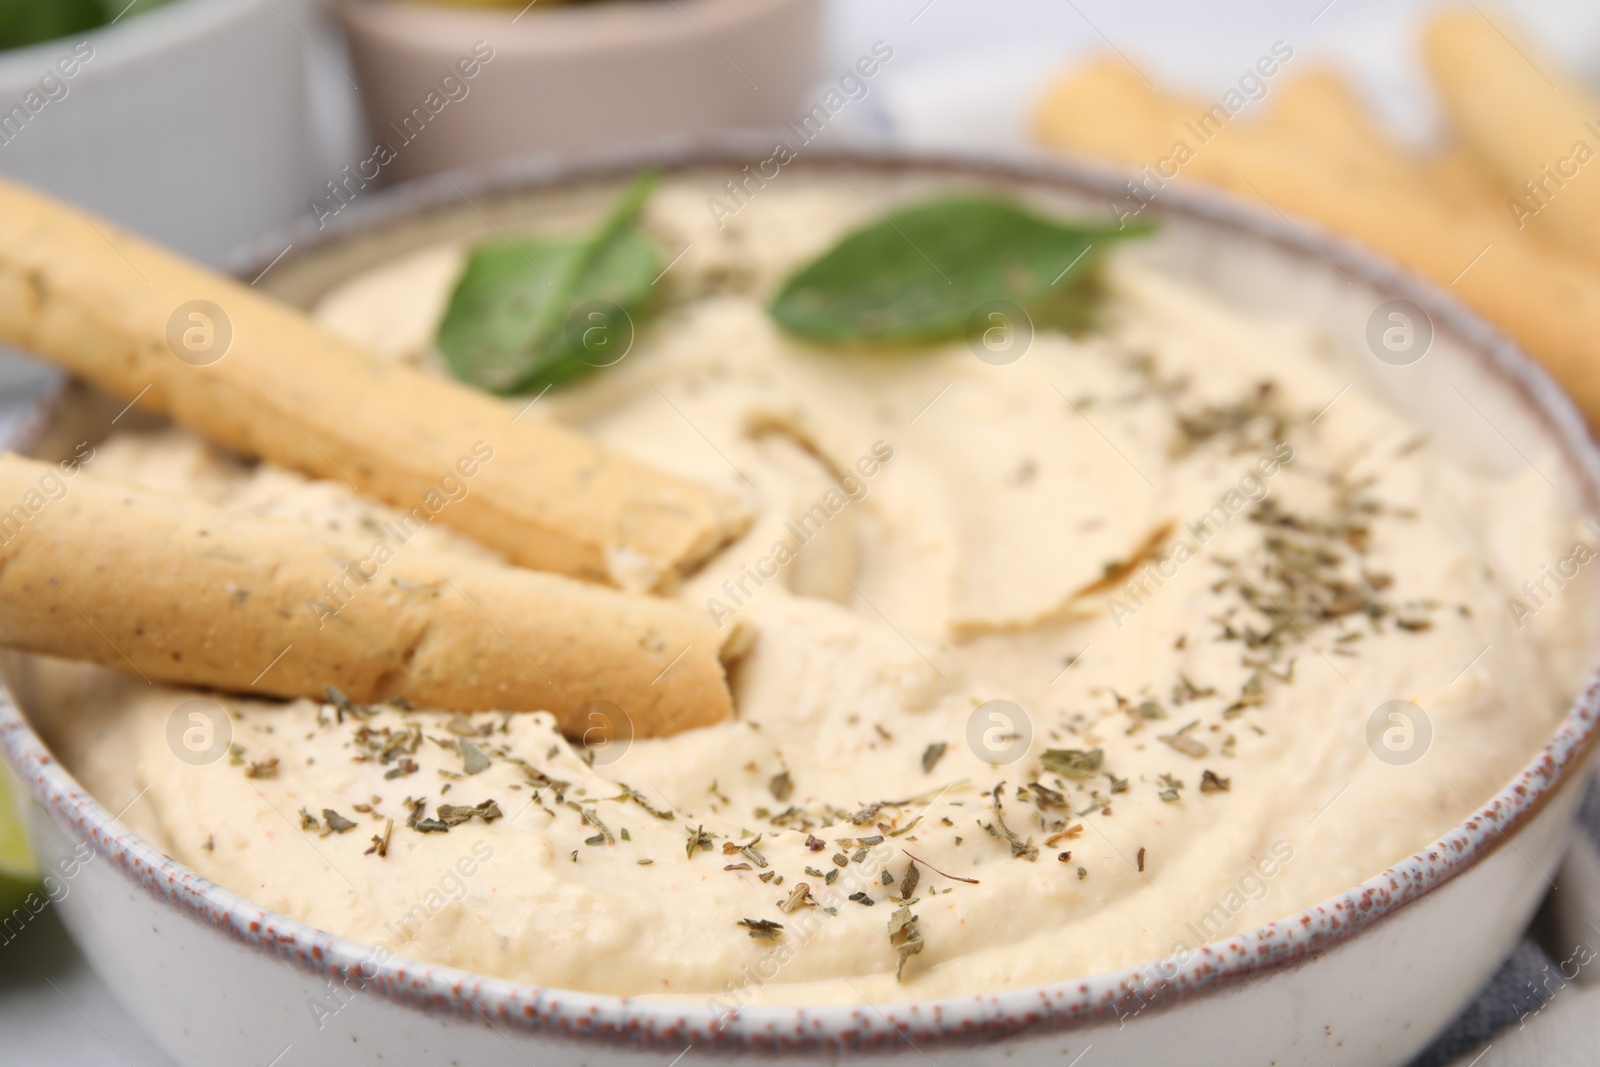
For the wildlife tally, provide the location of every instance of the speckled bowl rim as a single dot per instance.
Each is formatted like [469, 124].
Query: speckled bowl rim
[829, 1029]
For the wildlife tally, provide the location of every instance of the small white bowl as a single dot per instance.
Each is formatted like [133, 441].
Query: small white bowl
[188, 123]
[1366, 977]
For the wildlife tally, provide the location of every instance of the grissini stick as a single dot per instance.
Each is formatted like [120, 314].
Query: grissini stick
[175, 590]
[1459, 179]
[262, 379]
[1546, 300]
[1525, 118]
[1321, 111]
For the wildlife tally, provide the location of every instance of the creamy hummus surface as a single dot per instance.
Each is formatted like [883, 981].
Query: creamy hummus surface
[1133, 643]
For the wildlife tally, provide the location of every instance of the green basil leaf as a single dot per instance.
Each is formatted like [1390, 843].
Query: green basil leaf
[919, 274]
[25, 22]
[528, 314]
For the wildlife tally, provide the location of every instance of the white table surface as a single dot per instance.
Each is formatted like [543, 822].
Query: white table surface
[963, 75]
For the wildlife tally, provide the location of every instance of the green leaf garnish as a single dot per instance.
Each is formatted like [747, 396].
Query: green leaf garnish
[25, 22]
[920, 274]
[527, 314]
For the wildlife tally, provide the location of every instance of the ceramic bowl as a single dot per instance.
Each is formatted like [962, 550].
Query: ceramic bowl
[1366, 977]
[112, 120]
[545, 78]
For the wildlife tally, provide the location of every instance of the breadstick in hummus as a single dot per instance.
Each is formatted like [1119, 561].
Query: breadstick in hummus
[174, 590]
[264, 380]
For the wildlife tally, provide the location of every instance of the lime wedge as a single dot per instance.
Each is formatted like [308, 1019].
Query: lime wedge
[18, 874]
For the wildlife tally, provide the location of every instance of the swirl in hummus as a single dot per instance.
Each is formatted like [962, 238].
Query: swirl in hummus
[1061, 665]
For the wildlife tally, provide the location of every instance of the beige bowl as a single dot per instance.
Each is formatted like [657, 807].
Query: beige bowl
[1362, 979]
[447, 87]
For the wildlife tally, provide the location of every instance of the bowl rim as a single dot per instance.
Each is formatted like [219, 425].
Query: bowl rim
[1073, 1004]
[631, 25]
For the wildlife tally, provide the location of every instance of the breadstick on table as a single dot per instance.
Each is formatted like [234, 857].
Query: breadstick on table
[175, 590]
[262, 379]
[1546, 300]
[1321, 109]
[1458, 178]
[1529, 120]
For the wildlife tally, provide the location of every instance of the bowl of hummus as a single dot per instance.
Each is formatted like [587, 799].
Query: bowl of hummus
[1188, 651]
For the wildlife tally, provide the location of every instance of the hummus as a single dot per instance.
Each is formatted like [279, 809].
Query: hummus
[1130, 644]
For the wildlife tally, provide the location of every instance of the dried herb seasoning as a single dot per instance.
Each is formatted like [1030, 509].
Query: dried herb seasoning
[590, 818]
[455, 815]
[699, 841]
[1182, 742]
[1072, 762]
[473, 761]
[405, 767]
[342, 705]
[380, 845]
[905, 937]
[762, 929]
[799, 898]
[781, 786]
[267, 768]
[418, 819]
[1020, 849]
[336, 823]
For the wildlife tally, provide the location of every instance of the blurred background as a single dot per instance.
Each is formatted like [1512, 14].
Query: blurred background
[209, 123]
[212, 125]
